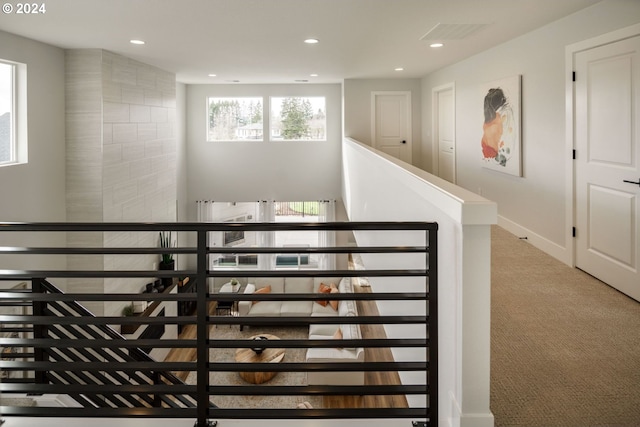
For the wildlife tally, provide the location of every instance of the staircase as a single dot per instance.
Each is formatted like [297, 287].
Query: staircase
[118, 371]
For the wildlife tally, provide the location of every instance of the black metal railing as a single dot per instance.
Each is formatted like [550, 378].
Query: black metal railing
[62, 349]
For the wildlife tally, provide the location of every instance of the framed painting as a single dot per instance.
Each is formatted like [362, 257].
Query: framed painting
[501, 141]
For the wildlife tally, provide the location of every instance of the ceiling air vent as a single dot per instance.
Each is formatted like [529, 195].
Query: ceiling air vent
[452, 31]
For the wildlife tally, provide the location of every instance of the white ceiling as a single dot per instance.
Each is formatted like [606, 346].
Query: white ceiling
[261, 41]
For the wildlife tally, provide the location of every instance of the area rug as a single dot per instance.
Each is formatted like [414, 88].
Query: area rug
[282, 378]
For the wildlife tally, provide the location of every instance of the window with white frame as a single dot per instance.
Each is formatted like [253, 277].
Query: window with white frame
[7, 114]
[290, 118]
[235, 119]
[298, 118]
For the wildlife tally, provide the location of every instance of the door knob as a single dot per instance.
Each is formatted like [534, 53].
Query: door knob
[404, 142]
[632, 182]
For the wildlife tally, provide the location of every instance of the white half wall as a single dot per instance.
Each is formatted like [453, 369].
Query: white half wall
[398, 191]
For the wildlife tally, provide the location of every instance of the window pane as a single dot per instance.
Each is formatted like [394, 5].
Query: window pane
[7, 151]
[297, 212]
[235, 119]
[298, 118]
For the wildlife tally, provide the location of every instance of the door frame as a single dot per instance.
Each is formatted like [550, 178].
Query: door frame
[570, 144]
[435, 138]
[408, 123]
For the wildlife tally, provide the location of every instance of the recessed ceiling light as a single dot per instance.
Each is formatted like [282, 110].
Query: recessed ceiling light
[312, 41]
[212, 75]
[436, 44]
[399, 69]
[313, 75]
[135, 41]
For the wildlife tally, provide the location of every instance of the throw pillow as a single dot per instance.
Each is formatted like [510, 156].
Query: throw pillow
[323, 289]
[334, 303]
[338, 334]
[264, 290]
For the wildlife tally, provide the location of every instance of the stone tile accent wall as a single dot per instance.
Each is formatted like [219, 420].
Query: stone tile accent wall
[121, 158]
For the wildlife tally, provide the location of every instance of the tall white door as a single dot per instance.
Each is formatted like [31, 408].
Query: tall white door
[607, 168]
[445, 133]
[391, 123]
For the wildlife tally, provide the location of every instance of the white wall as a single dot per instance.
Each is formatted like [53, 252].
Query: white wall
[357, 109]
[35, 191]
[533, 205]
[252, 171]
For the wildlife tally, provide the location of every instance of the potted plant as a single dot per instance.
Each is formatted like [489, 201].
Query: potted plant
[128, 310]
[167, 262]
[234, 284]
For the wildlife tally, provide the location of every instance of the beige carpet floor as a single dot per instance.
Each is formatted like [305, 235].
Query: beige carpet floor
[281, 378]
[565, 347]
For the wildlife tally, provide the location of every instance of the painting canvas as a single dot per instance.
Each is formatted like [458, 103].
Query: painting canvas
[501, 133]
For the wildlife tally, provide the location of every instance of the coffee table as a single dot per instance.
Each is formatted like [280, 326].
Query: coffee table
[268, 355]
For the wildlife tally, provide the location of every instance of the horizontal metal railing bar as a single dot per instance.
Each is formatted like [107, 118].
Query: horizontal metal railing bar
[96, 321]
[23, 330]
[182, 343]
[318, 250]
[86, 274]
[243, 413]
[319, 273]
[103, 389]
[91, 412]
[369, 296]
[23, 355]
[211, 320]
[219, 296]
[318, 367]
[277, 413]
[315, 320]
[213, 226]
[236, 390]
[43, 250]
[34, 250]
[112, 366]
[97, 343]
[156, 296]
[316, 390]
[214, 367]
[319, 343]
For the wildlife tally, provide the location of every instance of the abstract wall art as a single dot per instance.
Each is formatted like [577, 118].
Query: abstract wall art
[501, 143]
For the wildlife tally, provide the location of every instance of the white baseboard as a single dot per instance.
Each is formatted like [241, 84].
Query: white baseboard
[457, 419]
[553, 249]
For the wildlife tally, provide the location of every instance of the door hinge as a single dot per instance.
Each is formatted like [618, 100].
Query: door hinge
[574, 154]
[573, 231]
[573, 76]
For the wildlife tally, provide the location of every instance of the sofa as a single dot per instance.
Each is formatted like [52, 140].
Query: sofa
[328, 308]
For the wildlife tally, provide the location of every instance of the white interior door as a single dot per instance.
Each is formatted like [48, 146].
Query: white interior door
[607, 99]
[444, 132]
[391, 123]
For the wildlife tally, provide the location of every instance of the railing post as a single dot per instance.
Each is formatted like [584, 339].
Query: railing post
[432, 279]
[39, 330]
[202, 332]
